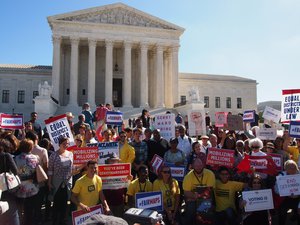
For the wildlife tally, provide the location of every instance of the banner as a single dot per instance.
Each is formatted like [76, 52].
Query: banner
[272, 114]
[249, 116]
[11, 121]
[288, 185]
[258, 200]
[79, 216]
[156, 162]
[196, 120]
[220, 119]
[290, 105]
[166, 124]
[266, 133]
[294, 130]
[220, 157]
[177, 172]
[278, 160]
[149, 200]
[234, 122]
[114, 176]
[57, 127]
[107, 150]
[114, 118]
[83, 154]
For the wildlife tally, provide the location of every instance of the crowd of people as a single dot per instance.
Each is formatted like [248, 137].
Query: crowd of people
[22, 151]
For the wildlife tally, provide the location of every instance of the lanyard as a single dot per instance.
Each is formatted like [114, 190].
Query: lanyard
[200, 182]
[141, 186]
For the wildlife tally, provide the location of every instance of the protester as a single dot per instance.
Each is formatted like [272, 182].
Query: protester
[127, 152]
[81, 119]
[174, 155]
[36, 126]
[204, 144]
[145, 117]
[256, 145]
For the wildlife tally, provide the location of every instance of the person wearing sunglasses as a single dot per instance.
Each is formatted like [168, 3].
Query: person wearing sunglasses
[171, 194]
[256, 145]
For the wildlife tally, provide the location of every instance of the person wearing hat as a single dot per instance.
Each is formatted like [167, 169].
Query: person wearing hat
[204, 144]
[270, 148]
[88, 190]
[174, 155]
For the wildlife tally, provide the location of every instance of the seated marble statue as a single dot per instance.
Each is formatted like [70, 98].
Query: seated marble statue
[45, 89]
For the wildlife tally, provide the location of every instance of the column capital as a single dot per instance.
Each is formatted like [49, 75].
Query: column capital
[74, 40]
[128, 44]
[144, 46]
[159, 48]
[175, 48]
[92, 42]
[109, 43]
[56, 39]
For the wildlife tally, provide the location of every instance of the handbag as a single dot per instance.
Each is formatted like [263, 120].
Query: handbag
[8, 180]
[41, 176]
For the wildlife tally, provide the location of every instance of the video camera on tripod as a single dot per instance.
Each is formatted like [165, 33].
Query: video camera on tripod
[143, 216]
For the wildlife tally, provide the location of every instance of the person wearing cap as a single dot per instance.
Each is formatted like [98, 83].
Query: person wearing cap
[204, 144]
[270, 148]
[88, 190]
[174, 155]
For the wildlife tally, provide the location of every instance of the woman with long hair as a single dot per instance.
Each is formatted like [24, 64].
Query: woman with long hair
[171, 194]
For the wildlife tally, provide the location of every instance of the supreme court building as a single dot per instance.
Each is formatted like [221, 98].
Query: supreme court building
[118, 54]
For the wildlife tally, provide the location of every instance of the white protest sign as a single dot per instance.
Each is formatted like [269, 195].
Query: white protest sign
[290, 105]
[288, 185]
[166, 124]
[11, 121]
[149, 200]
[58, 127]
[196, 120]
[156, 162]
[272, 114]
[266, 133]
[258, 200]
[220, 119]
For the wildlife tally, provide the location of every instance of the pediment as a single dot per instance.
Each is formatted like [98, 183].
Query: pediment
[118, 14]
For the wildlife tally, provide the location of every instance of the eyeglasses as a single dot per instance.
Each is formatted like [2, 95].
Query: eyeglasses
[167, 172]
[255, 147]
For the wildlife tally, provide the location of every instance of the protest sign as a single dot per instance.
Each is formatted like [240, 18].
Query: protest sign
[288, 185]
[234, 122]
[11, 121]
[166, 124]
[290, 105]
[221, 119]
[114, 176]
[258, 200]
[266, 133]
[79, 216]
[107, 150]
[278, 160]
[83, 154]
[156, 162]
[205, 204]
[114, 118]
[58, 127]
[294, 130]
[196, 120]
[177, 172]
[149, 200]
[272, 114]
[249, 116]
[220, 157]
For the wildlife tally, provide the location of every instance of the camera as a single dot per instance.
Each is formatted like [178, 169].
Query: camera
[143, 216]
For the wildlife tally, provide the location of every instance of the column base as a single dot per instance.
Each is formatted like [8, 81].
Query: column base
[145, 105]
[160, 105]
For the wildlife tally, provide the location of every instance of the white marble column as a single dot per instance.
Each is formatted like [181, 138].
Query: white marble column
[175, 74]
[168, 81]
[108, 71]
[144, 102]
[127, 75]
[56, 67]
[73, 100]
[160, 93]
[92, 72]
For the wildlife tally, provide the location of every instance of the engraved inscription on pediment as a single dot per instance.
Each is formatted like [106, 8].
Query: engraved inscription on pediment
[118, 16]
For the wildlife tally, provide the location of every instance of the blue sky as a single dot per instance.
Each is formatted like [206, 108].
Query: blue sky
[256, 39]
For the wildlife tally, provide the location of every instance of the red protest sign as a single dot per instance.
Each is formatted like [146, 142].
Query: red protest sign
[79, 216]
[11, 121]
[220, 157]
[84, 154]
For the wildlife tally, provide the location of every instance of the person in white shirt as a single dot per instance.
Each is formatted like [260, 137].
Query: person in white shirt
[184, 142]
[256, 145]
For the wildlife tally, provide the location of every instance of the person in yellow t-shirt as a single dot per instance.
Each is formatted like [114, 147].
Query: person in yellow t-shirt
[225, 197]
[141, 184]
[88, 190]
[127, 152]
[171, 194]
[293, 150]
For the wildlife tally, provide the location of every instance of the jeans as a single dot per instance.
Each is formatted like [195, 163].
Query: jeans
[11, 216]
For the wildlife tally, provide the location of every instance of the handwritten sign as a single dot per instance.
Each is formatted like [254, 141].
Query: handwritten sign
[288, 185]
[220, 119]
[114, 176]
[114, 118]
[258, 200]
[220, 157]
[84, 154]
[290, 105]
[272, 114]
[149, 200]
[156, 162]
[107, 150]
[196, 120]
[11, 121]
[249, 116]
[58, 127]
[266, 133]
[79, 216]
[166, 124]
[235, 122]
[294, 130]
